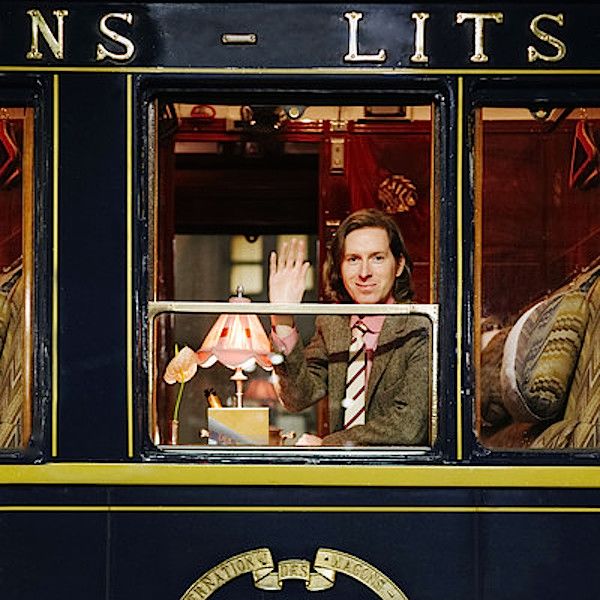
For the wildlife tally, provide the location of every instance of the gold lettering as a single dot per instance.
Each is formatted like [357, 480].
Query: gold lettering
[561, 50]
[369, 577]
[196, 595]
[219, 578]
[294, 569]
[39, 25]
[353, 55]
[479, 55]
[230, 570]
[264, 557]
[419, 56]
[258, 562]
[101, 51]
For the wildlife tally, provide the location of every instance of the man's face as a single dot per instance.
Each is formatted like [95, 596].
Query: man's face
[368, 266]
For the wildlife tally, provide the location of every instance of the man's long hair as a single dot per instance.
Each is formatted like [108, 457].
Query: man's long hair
[332, 274]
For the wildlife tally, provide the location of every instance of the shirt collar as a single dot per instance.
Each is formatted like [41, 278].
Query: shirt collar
[373, 322]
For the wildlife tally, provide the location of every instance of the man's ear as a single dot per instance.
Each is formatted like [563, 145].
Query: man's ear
[400, 267]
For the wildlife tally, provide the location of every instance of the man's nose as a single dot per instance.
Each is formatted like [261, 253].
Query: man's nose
[365, 269]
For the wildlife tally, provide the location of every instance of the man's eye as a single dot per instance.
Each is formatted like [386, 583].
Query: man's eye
[379, 258]
[352, 259]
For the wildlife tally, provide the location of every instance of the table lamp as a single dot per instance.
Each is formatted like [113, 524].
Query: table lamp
[238, 342]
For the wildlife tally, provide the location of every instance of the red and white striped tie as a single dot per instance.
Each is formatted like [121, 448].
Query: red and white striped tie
[356, 379]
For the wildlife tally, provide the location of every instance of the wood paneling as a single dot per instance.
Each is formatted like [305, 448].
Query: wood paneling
[372, 153]
[536, 231]
[11, 211]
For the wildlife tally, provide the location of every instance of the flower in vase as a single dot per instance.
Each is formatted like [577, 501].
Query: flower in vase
[182, 368]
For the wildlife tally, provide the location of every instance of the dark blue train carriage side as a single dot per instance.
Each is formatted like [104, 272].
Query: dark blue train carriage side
[151, 155]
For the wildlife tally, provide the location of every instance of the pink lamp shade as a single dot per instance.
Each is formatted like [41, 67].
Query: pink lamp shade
[237, 341]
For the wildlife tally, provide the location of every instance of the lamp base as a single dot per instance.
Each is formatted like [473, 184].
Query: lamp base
[239, 379]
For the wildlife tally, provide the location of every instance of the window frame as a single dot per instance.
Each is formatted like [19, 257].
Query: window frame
[433, 92]
[542, 92]
[34, 95]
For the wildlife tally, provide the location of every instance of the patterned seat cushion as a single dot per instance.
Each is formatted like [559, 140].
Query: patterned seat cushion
[11, 354]
[493, 411]
[540, 356]
[580, 427]
[514, 347]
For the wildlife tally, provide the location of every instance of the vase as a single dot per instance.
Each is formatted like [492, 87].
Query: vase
[173, 433]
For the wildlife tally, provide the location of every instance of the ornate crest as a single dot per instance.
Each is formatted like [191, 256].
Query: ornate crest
[396, 194]
[318, 576]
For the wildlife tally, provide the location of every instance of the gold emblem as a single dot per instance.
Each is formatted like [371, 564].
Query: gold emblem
[397, 194]
[318, 576]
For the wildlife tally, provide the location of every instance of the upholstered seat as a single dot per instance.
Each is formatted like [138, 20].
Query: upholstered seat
[541, 379]
[11, 361]
[580, 426]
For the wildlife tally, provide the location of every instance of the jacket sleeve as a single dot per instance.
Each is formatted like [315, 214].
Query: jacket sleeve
[303, 375]
[398, 414]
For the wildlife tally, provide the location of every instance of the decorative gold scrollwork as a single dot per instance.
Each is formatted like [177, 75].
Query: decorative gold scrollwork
[397, 194]
[318, 577]
[316, 581]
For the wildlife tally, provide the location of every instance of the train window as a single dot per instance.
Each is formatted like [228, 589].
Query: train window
[538, 277]
[16, 275]
[231, 185]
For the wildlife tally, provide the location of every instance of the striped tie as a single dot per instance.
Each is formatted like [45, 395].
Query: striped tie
[356, 378]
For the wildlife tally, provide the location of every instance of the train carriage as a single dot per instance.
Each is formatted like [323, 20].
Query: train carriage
[153, 156]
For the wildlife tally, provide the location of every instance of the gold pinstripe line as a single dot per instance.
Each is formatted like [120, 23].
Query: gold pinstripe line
[129, 282]
[459, 270]
[55, 213]
[307, 509]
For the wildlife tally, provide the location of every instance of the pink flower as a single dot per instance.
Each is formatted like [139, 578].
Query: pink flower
[183, 366]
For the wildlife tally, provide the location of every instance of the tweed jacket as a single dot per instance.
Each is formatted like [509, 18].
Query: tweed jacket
[398, 389]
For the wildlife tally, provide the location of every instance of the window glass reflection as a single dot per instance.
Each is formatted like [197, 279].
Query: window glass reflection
[16, 270]
[538, 278]
[234, 184]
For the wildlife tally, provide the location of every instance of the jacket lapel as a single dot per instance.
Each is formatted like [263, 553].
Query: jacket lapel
[338, 345]
[392, 327]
